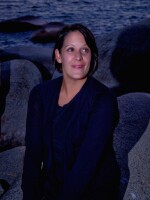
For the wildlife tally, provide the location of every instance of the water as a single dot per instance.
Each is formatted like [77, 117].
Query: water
[101, 16]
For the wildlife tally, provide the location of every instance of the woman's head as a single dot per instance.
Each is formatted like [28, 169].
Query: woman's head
[89, 39]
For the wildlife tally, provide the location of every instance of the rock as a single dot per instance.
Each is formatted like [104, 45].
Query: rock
[124, 59]
[134, 111]
[11, 167]
[23, 77]
[15, 192]
[5, 85]
[24, 23]
[48, 33]
[1, 190]
[40, 56]
[130, 59]
[106, 44]
[139, 165]
[4, 56]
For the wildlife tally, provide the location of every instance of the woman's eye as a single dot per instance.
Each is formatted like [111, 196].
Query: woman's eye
[85, 50]
[70, 49]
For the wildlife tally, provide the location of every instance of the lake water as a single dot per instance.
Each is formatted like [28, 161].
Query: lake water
[101, 16]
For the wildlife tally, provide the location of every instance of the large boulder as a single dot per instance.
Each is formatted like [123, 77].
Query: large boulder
[39, 55]
[130, 59]
[124, 59]
[134, 111]
[139, 166]
[24, 23]
[14, 192]
[20, 76]
[106, 45]
[11, 171]
[47, 33]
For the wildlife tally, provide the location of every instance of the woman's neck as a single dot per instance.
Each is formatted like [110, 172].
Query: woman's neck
[69, 89]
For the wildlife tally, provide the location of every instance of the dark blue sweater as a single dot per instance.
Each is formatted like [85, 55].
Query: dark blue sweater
[69, 152]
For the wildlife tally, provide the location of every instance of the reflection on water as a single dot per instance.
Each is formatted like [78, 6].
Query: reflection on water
[100, 16]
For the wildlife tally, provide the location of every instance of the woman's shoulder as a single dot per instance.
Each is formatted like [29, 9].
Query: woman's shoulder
[48, 84]
[101, 94]
[98, 87]
[47, 87]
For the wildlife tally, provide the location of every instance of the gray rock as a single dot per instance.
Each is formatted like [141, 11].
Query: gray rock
[11, 168]
[139, 165]
[15, 192]
[48, 33]
[11, 164]
[130, 59]
[106, 44]
[134, 117]
[23, 77]
[124, 59]
[36, 54]
[24, 23]
[1, 190]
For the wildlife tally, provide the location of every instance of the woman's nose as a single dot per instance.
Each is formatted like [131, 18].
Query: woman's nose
[78, 55]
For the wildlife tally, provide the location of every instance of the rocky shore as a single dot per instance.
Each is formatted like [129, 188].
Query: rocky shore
[123, 66]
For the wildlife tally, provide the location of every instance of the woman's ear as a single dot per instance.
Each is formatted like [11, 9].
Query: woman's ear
[58, 56]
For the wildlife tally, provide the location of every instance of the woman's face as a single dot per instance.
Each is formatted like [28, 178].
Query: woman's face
[75, 56]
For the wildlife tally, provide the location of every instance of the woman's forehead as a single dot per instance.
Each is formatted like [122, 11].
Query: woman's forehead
[74, 37]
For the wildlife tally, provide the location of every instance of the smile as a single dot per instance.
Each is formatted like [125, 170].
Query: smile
[78, 66]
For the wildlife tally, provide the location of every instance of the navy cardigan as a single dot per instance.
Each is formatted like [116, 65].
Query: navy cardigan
[69, 150]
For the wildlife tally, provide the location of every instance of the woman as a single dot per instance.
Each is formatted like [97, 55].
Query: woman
[70, 123]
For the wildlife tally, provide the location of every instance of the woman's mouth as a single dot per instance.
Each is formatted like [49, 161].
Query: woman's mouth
[78, 66]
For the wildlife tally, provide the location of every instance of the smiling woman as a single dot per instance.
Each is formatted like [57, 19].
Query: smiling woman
[75, 60]
[75, 56]
[70, 124]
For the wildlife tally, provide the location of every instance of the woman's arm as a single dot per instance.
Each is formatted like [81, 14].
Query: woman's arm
[31, 178]
[98, 135]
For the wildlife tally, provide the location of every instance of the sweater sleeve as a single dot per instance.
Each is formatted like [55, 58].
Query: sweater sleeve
[98, 135]
[31, 178]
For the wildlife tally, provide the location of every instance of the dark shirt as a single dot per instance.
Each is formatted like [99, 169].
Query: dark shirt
[74, 143]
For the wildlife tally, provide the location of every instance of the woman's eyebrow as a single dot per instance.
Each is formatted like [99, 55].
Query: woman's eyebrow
[72, 44]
